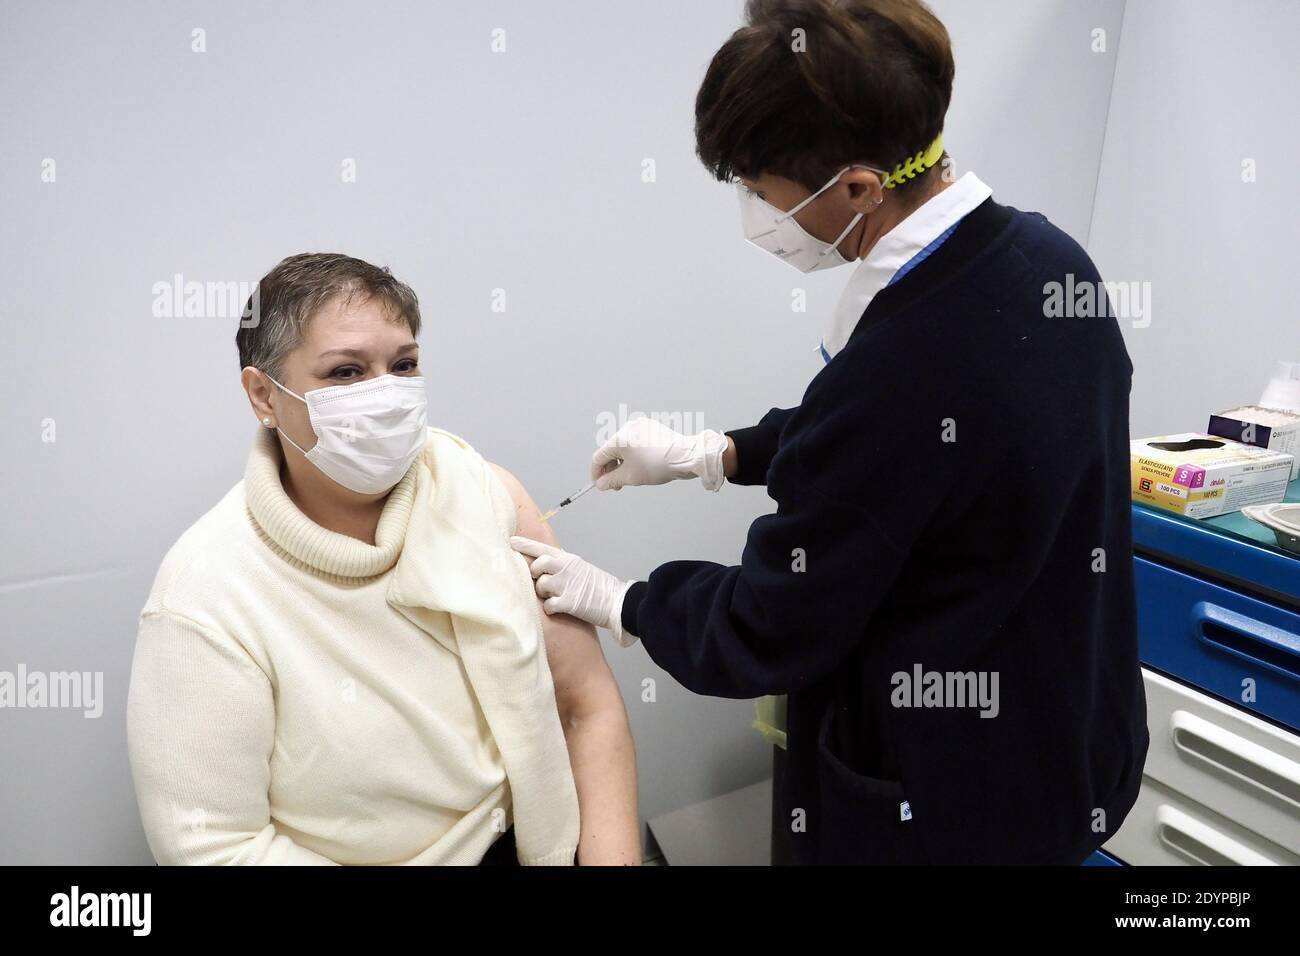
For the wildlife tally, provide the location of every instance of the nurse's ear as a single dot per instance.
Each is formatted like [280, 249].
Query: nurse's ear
[865, 191]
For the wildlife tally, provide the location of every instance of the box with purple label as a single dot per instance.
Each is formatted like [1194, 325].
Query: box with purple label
[1201, 475]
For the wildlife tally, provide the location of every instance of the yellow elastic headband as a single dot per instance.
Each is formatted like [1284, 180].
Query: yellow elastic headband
[913, 166]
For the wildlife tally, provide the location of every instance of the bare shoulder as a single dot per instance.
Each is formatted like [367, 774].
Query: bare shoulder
[581, 675]
[528, 521]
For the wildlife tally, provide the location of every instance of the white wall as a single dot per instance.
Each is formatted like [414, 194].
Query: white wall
[1200, 89]
[476, 171]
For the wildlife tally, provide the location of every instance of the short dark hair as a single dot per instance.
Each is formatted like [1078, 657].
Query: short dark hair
[290, 294]
[872, 84]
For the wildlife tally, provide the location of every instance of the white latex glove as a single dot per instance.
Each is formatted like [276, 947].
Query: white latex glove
[651, 453]
[569, 585]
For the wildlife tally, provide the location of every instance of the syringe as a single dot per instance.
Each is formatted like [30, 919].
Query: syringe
[567, 501]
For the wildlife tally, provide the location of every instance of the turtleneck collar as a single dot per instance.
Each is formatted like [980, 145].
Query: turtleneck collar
[300, 537]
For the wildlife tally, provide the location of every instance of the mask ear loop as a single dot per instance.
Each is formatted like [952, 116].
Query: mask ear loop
[834, 246]
[283, 389]
[290, 441]
[283, 434]
[789, 214]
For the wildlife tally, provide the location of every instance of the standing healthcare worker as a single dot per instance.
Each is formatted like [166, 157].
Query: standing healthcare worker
[945, 590]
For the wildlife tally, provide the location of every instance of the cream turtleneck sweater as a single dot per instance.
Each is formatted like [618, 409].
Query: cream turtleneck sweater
[300, 696]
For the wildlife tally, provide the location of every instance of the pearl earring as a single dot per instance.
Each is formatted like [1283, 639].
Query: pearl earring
[266, 422]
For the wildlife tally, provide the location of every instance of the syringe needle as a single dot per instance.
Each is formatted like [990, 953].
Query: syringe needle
[567, 501]
[574, 497]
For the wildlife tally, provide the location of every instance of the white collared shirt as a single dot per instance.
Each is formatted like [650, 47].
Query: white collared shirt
[895, 249]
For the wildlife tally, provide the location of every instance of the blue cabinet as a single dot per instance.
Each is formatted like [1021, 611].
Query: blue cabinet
[1230, 643]
[1219, 623]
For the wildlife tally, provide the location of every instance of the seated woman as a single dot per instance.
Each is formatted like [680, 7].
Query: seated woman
[344, 662]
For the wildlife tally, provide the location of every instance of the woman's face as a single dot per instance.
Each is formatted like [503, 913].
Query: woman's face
[344, 342]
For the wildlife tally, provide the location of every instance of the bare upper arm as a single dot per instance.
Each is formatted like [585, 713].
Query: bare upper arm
[582, 678]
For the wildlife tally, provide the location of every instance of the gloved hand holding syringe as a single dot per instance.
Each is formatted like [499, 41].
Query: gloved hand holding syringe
[642, 452]
[646, 452]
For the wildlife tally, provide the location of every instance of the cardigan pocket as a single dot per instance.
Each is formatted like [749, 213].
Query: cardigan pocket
[863, 819]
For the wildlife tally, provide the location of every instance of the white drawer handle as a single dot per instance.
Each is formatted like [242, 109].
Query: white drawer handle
[1241, 758]
[1201, 843]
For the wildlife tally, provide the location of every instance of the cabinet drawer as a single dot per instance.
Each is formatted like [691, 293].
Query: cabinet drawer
[1220, 640]
[1166, 828]
[1225, 759]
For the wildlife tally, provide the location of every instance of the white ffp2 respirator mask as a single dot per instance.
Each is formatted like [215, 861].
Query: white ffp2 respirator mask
[367, 433]
[777, 232]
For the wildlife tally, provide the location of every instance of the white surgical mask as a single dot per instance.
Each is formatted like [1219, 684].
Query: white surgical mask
[368, 433]
[777, 232]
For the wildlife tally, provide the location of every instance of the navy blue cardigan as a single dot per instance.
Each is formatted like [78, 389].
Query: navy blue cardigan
[952, 508]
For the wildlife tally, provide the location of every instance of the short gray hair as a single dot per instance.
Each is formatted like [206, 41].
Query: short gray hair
[290, 294]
